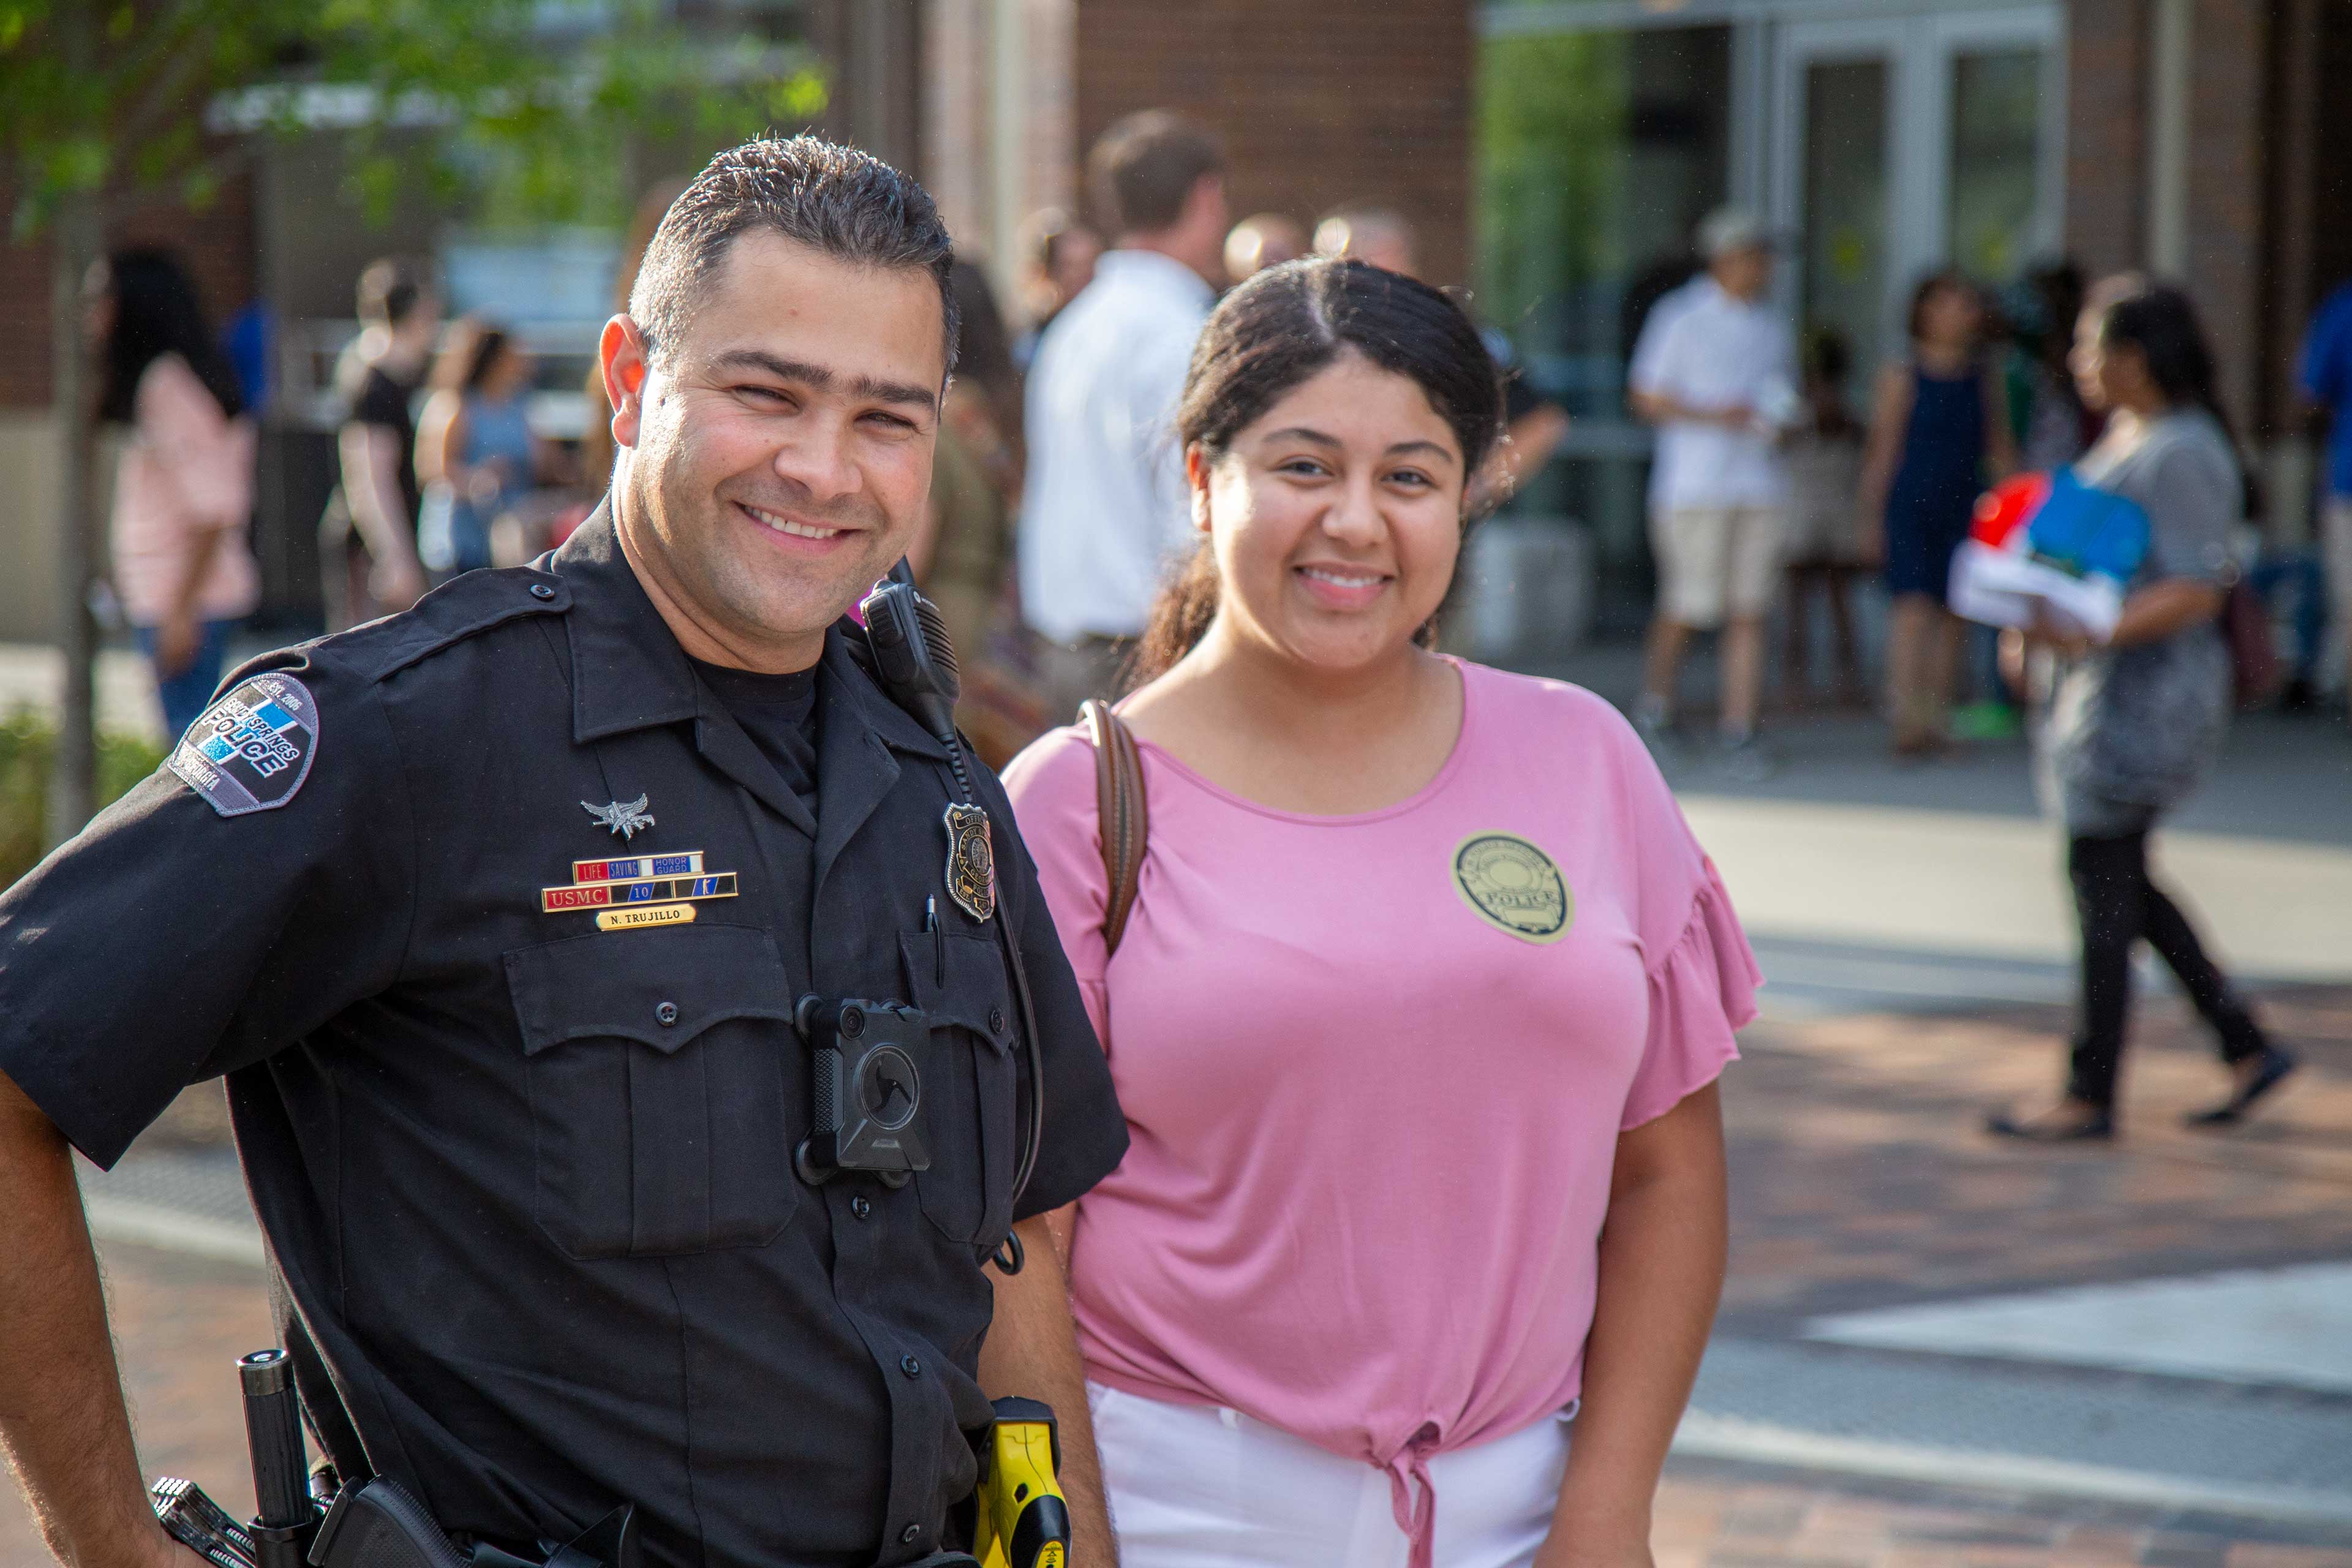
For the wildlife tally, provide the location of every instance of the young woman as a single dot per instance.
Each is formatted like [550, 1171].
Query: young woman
[1416, 1018]
[1938, 434]
[476, 454]
[2133, 722]
[183, 489]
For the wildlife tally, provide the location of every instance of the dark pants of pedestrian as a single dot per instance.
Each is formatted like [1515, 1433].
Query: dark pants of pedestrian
[2117, 904]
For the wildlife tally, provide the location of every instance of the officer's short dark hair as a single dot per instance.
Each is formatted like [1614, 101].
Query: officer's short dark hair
[1144, 167]
[390, 291]
[835, 200]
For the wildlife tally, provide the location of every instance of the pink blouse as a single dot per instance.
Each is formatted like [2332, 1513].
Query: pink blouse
[185, 471]
[1374, 1068]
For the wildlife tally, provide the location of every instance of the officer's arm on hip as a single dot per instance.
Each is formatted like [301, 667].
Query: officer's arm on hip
[171, 941]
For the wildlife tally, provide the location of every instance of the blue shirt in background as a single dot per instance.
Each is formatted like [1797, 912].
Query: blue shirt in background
[2327, 380]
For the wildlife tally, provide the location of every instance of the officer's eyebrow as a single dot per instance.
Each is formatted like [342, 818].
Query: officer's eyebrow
[818, 378]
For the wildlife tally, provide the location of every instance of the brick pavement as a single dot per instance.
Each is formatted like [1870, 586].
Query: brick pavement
[1860, 1180]
[1716, 1515]
[180, 1323]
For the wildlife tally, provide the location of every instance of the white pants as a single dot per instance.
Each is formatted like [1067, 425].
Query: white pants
[1194, 1487]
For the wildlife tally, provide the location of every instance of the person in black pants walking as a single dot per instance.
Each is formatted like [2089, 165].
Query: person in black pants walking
[2133, 722]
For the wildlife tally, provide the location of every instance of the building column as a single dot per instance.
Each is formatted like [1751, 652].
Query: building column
[999, 121]
[957, 124]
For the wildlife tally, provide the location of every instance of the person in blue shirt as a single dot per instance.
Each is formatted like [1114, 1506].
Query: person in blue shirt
[477, 454]
[2327, 382]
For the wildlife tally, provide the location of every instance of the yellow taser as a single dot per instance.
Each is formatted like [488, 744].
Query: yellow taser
[1023, 1522]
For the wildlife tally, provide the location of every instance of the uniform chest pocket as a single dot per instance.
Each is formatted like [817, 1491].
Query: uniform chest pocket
[660, 1064]
[968, 1084]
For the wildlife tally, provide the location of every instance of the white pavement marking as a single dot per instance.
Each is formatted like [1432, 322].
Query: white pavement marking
[2289, 1326]
[152, 1225]
[1706, 1436]
[1975, 884]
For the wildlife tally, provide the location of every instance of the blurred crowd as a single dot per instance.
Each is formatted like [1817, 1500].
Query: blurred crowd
[1786, 476]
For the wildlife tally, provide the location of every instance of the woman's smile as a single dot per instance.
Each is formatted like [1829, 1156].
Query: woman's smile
[1343, 587]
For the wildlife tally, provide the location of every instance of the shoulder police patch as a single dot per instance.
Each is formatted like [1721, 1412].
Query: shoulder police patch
[253, 748]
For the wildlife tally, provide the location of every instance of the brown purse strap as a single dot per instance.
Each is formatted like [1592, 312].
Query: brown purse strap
[1120, 809]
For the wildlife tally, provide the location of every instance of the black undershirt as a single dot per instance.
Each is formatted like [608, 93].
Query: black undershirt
[779, 713]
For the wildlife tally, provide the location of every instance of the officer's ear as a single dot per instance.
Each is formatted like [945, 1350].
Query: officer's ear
[621, 353]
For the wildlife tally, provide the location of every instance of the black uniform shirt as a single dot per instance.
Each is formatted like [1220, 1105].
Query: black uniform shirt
[778, 713]
[530, 1181]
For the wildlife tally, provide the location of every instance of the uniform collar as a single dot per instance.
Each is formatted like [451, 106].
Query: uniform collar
[627, 670]
[629, 673]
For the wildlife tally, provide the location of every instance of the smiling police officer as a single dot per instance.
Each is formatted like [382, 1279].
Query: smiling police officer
[497, 914]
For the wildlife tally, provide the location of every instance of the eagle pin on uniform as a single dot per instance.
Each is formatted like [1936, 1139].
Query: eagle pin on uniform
[971, 861]
[625, 818]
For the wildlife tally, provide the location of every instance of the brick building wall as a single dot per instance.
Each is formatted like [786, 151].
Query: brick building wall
[2229, 192]
[1319, 102]
[2241, 240]
[2108, 56]
[217, 241]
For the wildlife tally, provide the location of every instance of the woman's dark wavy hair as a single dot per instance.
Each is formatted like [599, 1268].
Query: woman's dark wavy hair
[472, 353]
[1282, 327]
[156, 312]
[2159, 321]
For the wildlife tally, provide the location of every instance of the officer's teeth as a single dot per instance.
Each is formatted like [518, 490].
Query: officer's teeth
[797, 530]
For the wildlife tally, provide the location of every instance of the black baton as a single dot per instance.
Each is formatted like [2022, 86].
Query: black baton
[273, 1431]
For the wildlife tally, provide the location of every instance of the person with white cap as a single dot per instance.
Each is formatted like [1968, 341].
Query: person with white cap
[1720, 383]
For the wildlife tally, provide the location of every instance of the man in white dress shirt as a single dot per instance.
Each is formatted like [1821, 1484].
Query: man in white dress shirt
[1104, 516]
[1718, 376]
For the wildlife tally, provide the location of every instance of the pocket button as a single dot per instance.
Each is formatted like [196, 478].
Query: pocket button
[861, 1205]
[910, 1366]
[666, 1014]
[996, 1020]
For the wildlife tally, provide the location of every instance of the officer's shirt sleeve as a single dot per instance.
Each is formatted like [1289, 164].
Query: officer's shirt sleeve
[168, 943]
[1085, 1133]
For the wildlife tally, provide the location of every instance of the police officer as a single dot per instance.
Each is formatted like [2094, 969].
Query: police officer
[496, 914]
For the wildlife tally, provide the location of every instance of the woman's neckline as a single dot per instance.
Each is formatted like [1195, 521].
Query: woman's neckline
[1438, 781]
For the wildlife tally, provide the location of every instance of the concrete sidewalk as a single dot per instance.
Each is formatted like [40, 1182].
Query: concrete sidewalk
[1845, 845]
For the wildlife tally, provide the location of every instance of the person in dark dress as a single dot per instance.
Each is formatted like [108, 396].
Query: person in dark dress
[1938, 434]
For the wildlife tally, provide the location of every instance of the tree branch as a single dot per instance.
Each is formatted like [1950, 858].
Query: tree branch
[159, 43]
[224, 165]
[160, 98]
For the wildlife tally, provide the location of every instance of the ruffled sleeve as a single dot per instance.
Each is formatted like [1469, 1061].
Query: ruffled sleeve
[1701, 990]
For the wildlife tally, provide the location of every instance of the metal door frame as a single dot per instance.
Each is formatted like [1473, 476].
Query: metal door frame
[1918, 49]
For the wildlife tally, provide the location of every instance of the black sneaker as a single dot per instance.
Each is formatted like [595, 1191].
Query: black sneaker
[2276, 1065]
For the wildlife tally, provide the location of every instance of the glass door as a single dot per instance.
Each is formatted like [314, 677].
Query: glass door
[2001, 82]
[1905, 144]
[1834, 188]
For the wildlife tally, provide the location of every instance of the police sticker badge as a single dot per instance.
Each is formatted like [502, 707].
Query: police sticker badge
[253, 748]
[971, 861]
[1513, 885]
